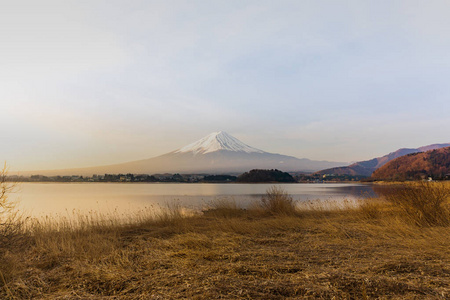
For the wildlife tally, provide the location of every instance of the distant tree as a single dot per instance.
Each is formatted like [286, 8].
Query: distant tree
[177, 178]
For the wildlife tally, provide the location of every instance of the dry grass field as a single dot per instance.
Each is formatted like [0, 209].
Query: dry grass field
[382, 249]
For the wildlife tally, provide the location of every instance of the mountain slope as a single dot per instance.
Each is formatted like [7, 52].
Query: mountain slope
[433, 163]
[367, 167]
[218, 152]
[218, 141]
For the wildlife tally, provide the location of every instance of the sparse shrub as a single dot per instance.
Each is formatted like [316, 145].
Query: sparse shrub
[277, 201]
[10, 220]
[5, 188]
[424, 203]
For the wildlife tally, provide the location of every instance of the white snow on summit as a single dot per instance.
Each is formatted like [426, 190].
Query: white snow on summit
[218, 141]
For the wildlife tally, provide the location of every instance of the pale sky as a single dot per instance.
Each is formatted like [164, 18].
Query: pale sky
[86, 83]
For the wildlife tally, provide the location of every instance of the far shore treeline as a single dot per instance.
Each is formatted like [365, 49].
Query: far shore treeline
[252, 176]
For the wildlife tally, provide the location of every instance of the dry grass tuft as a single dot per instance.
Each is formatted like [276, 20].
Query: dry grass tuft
[224, 208]
[372, 208]
[278, 202]
[424, 203]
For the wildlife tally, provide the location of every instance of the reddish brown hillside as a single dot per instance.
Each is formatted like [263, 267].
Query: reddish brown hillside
[367, 167]
[434, 163]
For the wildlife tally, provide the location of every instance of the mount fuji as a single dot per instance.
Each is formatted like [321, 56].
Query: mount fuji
[217, 153]
[218, 141]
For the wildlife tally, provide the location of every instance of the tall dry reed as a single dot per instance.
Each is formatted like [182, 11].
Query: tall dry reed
[423, 203]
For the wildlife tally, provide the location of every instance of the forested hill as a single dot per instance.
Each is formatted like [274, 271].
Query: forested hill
[434, 163]
[257, 175]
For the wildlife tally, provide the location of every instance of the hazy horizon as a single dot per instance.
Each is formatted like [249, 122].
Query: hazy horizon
[97, 83]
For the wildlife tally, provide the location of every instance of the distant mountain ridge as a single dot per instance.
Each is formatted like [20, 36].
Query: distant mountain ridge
[367, 167]
[216, 153]
[432, 163]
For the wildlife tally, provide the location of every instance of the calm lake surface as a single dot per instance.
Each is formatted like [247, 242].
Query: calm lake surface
[65, 199]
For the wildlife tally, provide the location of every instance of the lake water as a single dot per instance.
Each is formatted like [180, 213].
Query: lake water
[63, 199]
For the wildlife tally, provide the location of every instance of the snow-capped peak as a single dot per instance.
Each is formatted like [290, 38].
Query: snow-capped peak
[218, 141]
